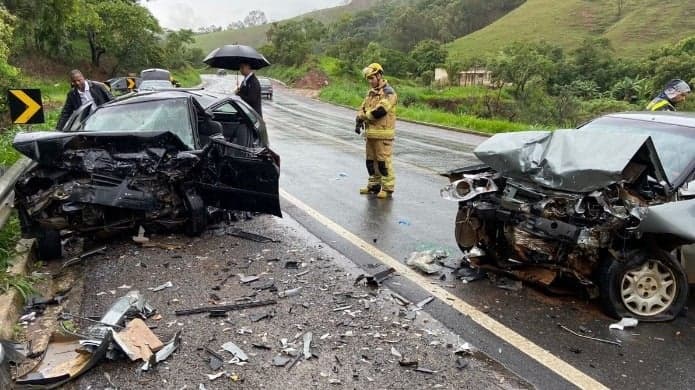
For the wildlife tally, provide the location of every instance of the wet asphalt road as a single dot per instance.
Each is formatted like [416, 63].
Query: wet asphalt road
[323, 166]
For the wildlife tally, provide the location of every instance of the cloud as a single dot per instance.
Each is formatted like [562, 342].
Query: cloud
[177, 14]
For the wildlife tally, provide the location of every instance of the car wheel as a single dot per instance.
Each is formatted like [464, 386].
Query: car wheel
[197, 214]
[48, 245]
[649, 285]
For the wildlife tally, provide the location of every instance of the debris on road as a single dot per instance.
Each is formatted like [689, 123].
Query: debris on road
[235, 351]
[589, 337]
[281, 360]
[308, 336]
[425, 370]
[374, 281]
[400, 300]
[236, 306]
[140, 238]
[64, 360]
[78, 259]
[8, 354]
[236, 232]
[290, 293]
[137, 341]
[395, 353]
[425, 261]
[424, 302]
[247, 279]
[161, 287]
[508, 284]
[212, 377]
[624, 323]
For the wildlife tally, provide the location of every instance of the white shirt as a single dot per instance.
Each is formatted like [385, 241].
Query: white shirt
[246, 78]
[85, 96]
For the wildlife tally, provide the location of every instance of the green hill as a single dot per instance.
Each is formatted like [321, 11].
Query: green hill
[641, 26]
[255, 36]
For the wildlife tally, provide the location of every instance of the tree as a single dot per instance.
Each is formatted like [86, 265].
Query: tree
[255, 18]
[521, 63]
[428, 54]
[293, 41]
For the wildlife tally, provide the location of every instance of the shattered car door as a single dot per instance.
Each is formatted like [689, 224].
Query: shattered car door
[234, 177]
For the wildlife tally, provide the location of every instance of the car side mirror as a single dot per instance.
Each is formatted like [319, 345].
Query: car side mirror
[688, 189]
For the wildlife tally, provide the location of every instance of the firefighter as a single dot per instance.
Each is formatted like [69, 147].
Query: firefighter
[377, 116]
[674, 92]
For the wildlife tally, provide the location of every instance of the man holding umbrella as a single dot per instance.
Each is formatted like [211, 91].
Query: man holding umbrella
[244, 59]
[250, 89]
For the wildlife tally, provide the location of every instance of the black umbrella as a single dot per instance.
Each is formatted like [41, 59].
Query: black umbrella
[231, 56]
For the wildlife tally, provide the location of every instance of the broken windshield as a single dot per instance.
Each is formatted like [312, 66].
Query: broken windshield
[155, 115]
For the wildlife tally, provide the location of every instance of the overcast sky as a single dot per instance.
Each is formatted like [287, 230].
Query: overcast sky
[177, 14]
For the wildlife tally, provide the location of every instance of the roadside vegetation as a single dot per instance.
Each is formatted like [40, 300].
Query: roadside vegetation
[532, 83]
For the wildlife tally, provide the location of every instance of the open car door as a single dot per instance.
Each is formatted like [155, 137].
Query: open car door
[235, 177]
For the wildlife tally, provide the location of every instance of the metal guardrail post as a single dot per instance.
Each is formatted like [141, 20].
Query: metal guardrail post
[7, 182]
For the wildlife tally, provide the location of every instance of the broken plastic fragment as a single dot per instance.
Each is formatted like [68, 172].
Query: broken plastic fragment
[161, 287]
[137, 341]
[166, 351]
[425, 261]
[234, 350]
[624, 323]
[308, 336]
[140, 238]
[289, 293]
[212, 377]
[395, 353]
[425, 301]
[281, 361]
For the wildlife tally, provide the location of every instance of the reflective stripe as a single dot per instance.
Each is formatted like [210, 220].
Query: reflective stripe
[659, 105]
[381, 133]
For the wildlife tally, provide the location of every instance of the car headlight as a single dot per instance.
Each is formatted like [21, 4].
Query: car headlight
[468, 188]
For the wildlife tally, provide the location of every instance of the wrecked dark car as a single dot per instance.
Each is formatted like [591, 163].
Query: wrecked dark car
[158, 159]
[608, 208]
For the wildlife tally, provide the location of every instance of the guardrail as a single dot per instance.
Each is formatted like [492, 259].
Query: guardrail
[7, 181]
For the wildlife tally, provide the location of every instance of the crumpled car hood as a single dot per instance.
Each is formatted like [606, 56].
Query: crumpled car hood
[47, 147]
[571, 160]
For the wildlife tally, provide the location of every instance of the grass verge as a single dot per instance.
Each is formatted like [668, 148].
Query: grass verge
[188, 77]
[9, 235]
[351, 94]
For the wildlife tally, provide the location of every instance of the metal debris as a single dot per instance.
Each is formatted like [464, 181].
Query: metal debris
[425, 260]
[400, 300]
[234, 350]
[395, 353]
[247, 279]
[374, 281]
[8, 354]
[425, 370]
[464, 349]
[161, 287]
[589, 337]
[289, 293]
[425, 301]
[237, 306]
[236, 232]
[343, 308]
[212, 377]
[78, 259]
[302, 273]
[163, 354]
[280, 360]
[624, 323]
[308, 336]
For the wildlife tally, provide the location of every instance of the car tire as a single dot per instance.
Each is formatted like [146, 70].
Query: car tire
[48, 245]
[650, 285]
[197, 215]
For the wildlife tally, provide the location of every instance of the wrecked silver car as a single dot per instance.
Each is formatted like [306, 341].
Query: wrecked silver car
[609, 207]
[154, 159]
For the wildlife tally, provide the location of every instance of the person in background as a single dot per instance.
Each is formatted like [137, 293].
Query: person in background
[674, 92]
[250, 88]
[377, 115]
[83, 91]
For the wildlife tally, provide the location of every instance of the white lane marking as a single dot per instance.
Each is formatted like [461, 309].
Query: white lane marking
[541, 355]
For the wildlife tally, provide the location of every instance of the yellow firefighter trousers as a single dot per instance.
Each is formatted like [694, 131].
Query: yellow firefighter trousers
[380, 165]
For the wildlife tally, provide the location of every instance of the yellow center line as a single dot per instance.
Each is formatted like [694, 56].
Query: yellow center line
[539, 354]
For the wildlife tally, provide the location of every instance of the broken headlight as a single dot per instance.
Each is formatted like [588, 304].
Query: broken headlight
[469, 187]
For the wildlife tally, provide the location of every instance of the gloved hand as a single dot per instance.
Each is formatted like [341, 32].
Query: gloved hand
[359, 125]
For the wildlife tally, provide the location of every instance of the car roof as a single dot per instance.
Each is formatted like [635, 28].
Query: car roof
[686, 119]
[204, 98]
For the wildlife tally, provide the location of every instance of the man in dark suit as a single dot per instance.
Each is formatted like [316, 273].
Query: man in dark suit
[250, 88]
[83, 91]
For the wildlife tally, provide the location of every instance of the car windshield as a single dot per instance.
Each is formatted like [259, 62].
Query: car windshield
[154, 84]
[155, 115]
[673, 143]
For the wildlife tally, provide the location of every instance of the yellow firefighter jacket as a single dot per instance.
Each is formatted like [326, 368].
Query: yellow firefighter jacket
[378, 110]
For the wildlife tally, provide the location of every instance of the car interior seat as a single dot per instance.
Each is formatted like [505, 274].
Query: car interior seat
[207, 128]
